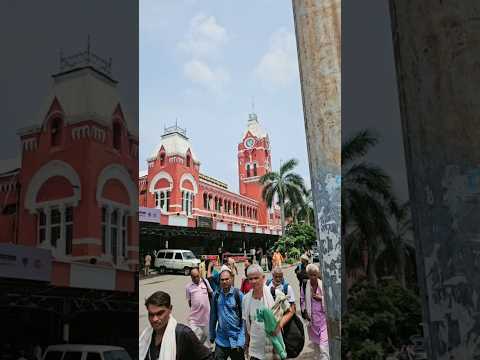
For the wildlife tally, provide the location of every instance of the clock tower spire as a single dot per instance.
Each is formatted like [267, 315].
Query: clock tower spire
[254, 161]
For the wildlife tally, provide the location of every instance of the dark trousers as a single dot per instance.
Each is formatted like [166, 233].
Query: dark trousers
[222, 353]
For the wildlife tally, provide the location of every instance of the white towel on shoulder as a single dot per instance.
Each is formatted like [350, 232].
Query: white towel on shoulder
[168, 351]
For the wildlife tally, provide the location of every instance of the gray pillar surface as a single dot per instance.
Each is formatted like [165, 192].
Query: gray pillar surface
[437, 53]
[317, 26]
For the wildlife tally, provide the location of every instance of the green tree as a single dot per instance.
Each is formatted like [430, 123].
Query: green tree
[366, 201]
[283, 185]
[385, 315]
[399, 252]
[306, 212]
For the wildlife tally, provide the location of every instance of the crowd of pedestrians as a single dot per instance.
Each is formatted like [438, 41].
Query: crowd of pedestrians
[228, 322]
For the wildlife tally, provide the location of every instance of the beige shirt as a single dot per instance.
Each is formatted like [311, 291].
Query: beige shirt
[148, 260]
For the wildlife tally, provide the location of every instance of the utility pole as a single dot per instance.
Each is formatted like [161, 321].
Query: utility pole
[317, 25]
[437, 52]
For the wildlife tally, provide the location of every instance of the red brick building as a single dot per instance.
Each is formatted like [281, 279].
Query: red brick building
[72, 192]
[69, 203]
[174, 191]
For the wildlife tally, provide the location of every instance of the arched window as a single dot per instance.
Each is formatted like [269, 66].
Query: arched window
[254, 169]
[56, 131]
[162, 159]
[248, 170]
[205, 201]
[188, 160]
[117, 136]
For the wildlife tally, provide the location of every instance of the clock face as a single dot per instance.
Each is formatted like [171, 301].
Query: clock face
[249, 142]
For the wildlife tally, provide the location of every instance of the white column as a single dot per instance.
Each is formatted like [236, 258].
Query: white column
[66, 332]
[108, 211]
[62, 242]
[47, 228]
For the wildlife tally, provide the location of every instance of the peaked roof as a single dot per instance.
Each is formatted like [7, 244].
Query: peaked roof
[254, 127]
[174, 144]
[83, 94]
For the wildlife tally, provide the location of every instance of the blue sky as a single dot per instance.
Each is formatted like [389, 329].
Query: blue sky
[202, 61]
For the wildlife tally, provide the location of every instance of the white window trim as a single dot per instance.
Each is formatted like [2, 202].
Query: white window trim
[122, 262]
[51, 169]
[59, 251]
[157, 178]
[158, 192]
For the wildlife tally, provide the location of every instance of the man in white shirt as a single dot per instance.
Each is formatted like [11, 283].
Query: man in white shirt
[279, 283]
[258, 345]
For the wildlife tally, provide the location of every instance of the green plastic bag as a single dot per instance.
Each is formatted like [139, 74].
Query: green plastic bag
[270, 322]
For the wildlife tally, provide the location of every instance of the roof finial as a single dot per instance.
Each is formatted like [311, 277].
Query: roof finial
[253, 104]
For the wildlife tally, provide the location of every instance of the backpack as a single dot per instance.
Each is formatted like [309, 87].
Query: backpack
[293, 333]
[238, 302]
[301, 273]
[284, 288]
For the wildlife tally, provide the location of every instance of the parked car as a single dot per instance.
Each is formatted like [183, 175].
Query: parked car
[85, 352]
[175, 260]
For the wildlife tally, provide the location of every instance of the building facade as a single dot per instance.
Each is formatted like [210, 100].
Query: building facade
[173, 191]
[72, 192]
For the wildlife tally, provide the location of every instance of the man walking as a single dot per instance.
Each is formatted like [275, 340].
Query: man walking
[259, 345]
[259, 255]
[148, 260]
[229, 335]
[164, 338]
[301, 270]
[270, 259]
[198, 294]
[279, 283]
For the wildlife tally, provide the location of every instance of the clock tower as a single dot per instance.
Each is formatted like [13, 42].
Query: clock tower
[253, 162]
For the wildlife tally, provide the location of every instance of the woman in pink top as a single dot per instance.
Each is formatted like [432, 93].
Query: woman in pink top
[313, 310]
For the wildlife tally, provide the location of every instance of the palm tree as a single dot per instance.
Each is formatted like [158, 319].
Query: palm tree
[283, 185]
[292, 210]
[366, 199]
[400, 248]
[302, 210]
[306, 212]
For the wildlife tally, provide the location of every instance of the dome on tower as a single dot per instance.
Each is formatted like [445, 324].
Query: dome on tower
[175, 142]
[254, 127]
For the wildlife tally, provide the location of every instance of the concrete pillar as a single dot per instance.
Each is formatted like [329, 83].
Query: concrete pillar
[437, 52]
[317, 25]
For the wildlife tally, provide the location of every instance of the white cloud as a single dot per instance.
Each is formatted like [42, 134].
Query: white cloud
[199, 72]
[204, 38]
[278, 67]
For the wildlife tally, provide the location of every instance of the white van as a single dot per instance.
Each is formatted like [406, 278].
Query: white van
[175, 260]
[85, 352]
